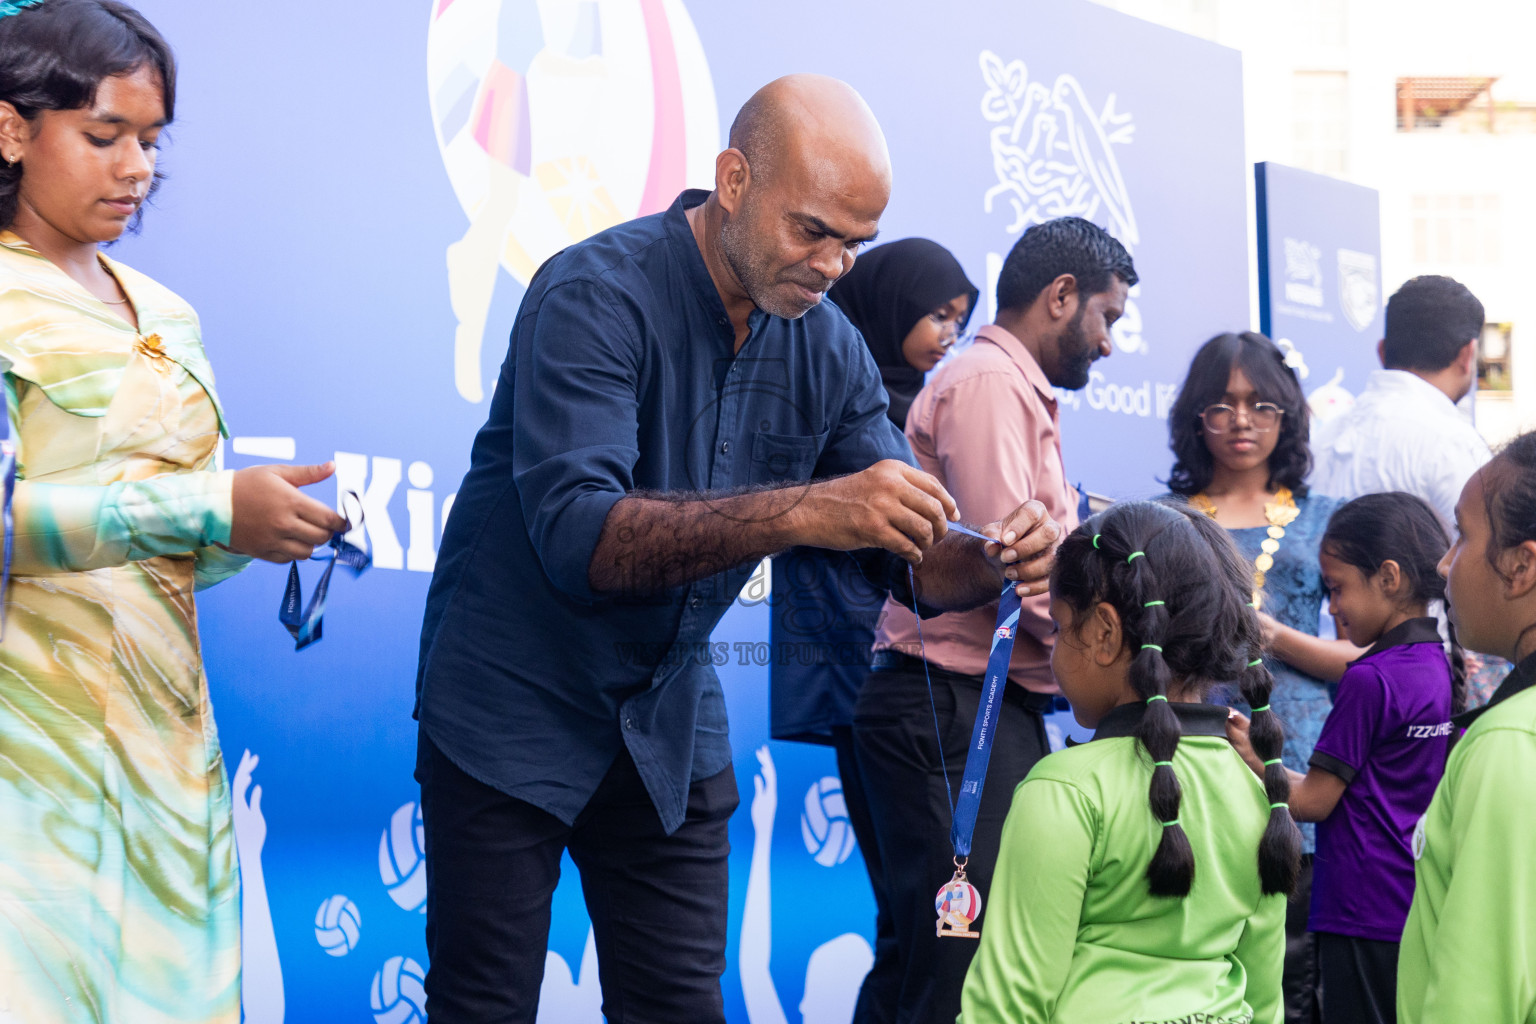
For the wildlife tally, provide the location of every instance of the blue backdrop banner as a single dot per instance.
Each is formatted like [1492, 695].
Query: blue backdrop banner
[358, 193]
[1320, 279]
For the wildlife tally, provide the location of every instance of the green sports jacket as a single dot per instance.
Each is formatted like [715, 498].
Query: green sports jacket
[1469, 947]
[1072, 936]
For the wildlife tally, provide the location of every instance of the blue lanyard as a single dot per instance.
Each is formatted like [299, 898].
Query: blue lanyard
[985, 729]
[306, 627]
[963, 812]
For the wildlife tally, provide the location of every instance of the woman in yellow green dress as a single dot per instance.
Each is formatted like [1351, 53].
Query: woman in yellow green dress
[119, 893]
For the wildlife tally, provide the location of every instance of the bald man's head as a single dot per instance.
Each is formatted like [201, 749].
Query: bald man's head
[788, 113]
[803, 185]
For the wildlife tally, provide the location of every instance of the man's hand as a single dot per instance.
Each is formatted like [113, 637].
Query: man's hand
[1025, 547]
[890, 505]
[273, 520]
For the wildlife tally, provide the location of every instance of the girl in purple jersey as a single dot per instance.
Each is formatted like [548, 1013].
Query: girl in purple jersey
[1382, 749]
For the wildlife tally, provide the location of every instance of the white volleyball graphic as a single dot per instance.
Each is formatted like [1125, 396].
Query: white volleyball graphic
[402, 862]
[338, 925]
[824, 824]
[398, 995]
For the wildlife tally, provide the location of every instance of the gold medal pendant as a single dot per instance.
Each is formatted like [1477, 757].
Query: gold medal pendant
[1280, 511]
[958, 904]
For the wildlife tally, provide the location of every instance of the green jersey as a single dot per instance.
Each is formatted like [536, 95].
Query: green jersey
[1469, 947]
[1073, 935]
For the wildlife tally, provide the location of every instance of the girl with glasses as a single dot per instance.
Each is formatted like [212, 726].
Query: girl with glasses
[1239, 437]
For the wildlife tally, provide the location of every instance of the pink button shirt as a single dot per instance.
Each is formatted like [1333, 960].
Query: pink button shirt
[987, 427]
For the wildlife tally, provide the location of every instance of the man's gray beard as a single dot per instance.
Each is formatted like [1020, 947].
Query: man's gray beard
[737, 251]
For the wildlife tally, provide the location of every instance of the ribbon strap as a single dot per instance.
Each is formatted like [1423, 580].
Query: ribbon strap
[982, 734]
[8, 482]
[306, 626]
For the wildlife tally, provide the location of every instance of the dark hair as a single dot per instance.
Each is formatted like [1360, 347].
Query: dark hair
[1509, 497]
[1430, 320]
[1402, 528]
[1181, 591]
[1066, 245]
[54, 56]
[1264, 364]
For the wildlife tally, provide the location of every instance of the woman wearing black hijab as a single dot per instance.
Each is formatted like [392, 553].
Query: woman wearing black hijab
[910, 299]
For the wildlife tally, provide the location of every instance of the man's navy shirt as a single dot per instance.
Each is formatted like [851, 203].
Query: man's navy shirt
[621, 376]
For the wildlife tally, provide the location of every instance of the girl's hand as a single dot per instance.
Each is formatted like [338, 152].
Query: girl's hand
[1237, 735]
[1271, 629]
[273, 520]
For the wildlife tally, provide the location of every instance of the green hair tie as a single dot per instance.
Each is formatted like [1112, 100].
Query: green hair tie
[1274, 760]
[1273, 806]
[1254, 605]
[1264, 708]
[1154, 604]
[1256, 662]
[1157, 764]
[1134, 555]
[1158, 697]
[1152, 647]
[1096, 541]
[1170, 824]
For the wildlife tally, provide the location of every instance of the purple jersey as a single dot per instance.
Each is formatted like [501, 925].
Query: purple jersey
[1387, 737]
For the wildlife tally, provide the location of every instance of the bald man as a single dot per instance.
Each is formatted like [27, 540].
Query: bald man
[677, 403]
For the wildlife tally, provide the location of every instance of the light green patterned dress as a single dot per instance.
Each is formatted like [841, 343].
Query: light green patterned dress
[119, 894]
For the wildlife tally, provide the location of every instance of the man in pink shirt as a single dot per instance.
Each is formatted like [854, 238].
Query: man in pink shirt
[987, 426]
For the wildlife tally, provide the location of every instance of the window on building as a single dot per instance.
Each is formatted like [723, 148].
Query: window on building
[1457, 229]
[1321, 121]
[1463, 103]
[1493, 357]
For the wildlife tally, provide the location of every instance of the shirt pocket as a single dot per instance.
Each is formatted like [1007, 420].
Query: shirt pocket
[779, 459]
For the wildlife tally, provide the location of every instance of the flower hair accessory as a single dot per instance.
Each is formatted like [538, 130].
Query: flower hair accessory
[1293, 358]
[9, 7]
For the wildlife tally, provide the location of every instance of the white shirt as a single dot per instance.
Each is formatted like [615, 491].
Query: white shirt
[1403, 434]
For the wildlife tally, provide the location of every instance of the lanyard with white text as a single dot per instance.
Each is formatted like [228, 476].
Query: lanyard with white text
[305, 625]
[959, 902]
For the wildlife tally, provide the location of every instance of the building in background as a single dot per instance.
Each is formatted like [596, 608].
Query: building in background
[1437, 113]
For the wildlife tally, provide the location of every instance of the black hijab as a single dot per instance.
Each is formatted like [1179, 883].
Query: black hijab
[890, 288]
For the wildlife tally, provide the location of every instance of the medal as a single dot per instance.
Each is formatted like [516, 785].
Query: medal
[958, 904]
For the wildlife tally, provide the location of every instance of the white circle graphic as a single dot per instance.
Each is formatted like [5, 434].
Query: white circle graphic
[560, 120]
[824, 823]
[402, 862]
[338, 925]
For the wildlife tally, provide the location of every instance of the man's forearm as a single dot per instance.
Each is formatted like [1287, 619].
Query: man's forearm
[651, 542]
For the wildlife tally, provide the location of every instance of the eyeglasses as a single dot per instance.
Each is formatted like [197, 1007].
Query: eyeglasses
[949, 327]
[1262, 416]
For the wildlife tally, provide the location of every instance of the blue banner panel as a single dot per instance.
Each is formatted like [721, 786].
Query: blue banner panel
[357, 195]
[1319, 244]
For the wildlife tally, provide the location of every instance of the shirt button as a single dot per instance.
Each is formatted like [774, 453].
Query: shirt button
[629, 723]
[695, 601]
[724, 321]
[725, 447]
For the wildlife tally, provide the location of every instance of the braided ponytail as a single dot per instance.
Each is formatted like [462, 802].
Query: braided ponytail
[1280, 848]
[1172, 869]
[1181, 593]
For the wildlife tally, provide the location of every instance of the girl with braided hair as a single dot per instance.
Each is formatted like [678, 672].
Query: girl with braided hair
[1469, 945]
[1142, 875]
[1383, 747]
